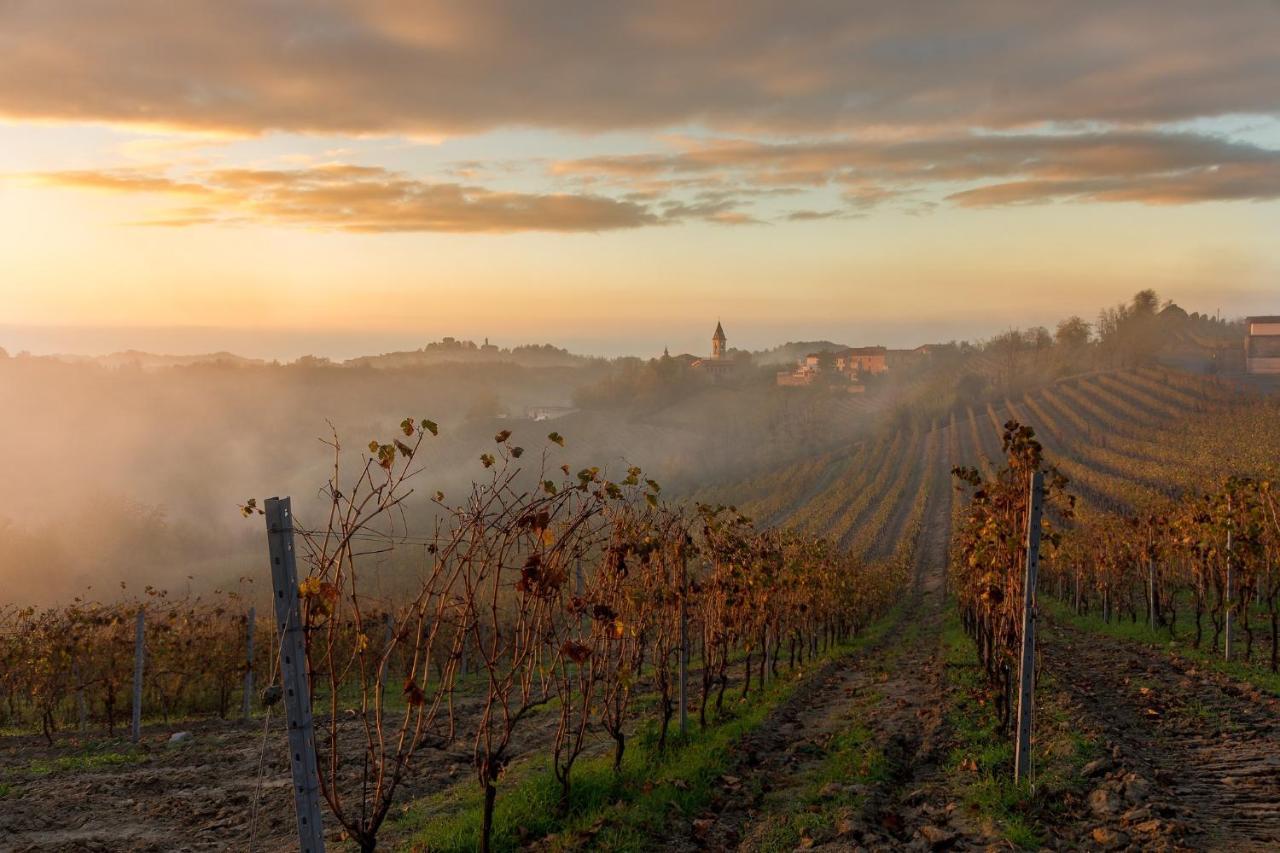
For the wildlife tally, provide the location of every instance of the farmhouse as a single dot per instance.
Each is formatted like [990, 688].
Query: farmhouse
[1262, 344]
[846, 367]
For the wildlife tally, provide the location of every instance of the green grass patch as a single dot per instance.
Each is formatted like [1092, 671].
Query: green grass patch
[1180, 643]
[833, 790]
[981, 764]
[630, 810]
[92, 757]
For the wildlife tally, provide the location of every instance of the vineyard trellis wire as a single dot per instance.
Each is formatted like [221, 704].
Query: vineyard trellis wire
[495, 589]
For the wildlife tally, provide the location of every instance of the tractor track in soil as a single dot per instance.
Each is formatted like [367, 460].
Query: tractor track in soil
[1195, 755]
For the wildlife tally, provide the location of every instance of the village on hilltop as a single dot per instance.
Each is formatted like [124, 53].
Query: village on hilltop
[842, 367]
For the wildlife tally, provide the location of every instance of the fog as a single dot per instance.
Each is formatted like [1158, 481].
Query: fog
[119, 473]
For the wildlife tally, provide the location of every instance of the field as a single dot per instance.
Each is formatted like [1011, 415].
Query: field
[825, 712]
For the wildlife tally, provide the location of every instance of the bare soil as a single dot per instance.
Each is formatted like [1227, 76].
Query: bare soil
[1194, 755]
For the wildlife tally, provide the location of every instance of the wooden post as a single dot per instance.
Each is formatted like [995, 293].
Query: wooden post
[138, 654]
[462, 651]
[247, 704]
[1151, 593]
[386, 652]
[82, 713]
[764, 653]
[684, 645]
[293, 675]
[1027, 662]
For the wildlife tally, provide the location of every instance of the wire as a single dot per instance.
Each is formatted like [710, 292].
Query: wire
[262, 749]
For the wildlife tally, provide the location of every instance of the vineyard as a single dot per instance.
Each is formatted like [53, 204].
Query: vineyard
[571, 600]
[580, 652]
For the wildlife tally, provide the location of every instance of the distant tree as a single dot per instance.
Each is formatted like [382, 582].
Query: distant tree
[3, 353]
[1038, 338]
[313, 361]
[1131, 334]
[1008, 347]
[1145, 303]
[1072, 333]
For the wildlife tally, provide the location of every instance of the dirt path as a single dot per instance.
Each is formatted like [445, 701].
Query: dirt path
[1195, 755]
[895, 687]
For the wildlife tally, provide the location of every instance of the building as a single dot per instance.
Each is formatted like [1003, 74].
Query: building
[718, 366]
[862, 360]
[1262, 344]
[845, 367]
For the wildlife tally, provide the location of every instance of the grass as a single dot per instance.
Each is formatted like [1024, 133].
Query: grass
[627, 811]
[1259, 673]
[981, 764]
[92, 757]
[829, 793]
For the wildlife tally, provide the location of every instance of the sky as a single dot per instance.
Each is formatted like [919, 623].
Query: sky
[338, 177]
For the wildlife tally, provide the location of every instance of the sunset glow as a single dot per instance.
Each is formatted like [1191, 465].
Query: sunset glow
[320, 177]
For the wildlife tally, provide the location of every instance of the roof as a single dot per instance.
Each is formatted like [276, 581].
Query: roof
[1271, 319]
[719, 334]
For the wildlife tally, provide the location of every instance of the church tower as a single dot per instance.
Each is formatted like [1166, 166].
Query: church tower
[718, 341]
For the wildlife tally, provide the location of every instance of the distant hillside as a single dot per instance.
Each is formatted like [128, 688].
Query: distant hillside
[152, 361]
[452, 350]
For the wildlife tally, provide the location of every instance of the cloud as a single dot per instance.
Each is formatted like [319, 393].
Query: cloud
[360, 199]
[1150, 167]
[719, 182]
[432, 67]
[815, 215]
[120, 180]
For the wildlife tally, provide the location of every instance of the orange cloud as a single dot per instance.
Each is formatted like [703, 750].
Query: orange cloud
[363, 199]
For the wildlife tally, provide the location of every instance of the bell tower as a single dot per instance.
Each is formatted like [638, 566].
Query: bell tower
[718, 341]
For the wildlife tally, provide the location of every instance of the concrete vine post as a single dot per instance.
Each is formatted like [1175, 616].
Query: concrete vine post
[1027, 661]
[293, 675]
[1230, 593]
[139, 652]
[684, 645]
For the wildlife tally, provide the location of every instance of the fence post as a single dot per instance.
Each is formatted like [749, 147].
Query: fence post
[293, 675]
[1027, 664]
[138, 654]
[684, 644]
[247, 704]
